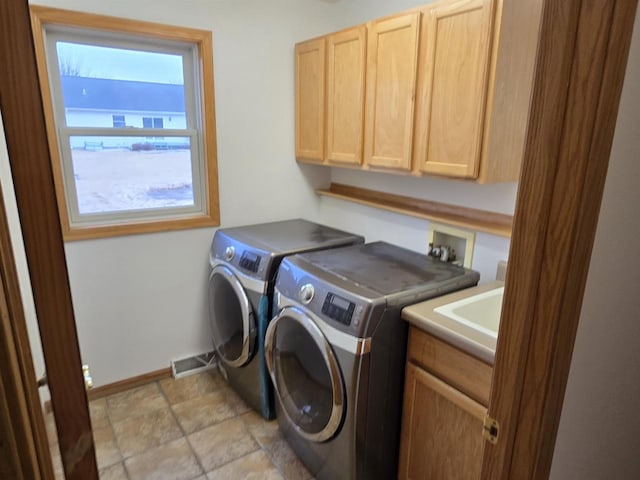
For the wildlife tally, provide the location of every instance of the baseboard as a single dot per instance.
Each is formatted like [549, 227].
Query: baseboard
[121, 385]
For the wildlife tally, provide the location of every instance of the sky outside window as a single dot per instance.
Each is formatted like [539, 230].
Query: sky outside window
[119, 63]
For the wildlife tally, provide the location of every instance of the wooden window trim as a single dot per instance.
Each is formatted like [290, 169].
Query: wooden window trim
[43, 16]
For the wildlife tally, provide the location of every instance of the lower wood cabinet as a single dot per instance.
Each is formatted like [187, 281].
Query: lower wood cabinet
[441, 426]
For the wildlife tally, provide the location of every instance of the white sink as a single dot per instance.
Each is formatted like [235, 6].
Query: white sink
[467, 319]
[480, 312]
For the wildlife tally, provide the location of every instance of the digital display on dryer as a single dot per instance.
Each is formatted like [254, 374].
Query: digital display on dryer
[338, 308]
[340, 302]
[250, 261]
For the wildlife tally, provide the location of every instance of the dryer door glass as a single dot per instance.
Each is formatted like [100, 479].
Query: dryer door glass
[306, 375]
[231, 317]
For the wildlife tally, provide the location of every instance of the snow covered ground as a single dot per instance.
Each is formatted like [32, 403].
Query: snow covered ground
[118, 180]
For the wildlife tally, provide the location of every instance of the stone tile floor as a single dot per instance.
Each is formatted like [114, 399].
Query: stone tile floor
[194, 428]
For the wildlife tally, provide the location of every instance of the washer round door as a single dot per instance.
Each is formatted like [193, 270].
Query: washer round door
[232, 319]
[305, 374]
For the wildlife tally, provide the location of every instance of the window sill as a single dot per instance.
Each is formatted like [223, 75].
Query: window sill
[103, 231]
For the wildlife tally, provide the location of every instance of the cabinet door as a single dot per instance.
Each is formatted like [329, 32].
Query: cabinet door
[346, 58]
[391, 79]
[441, 430]
[454, 66]
[310, 65]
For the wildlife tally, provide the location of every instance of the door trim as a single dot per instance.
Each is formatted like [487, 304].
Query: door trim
[31, 169]
[580, 69]
[24, 448]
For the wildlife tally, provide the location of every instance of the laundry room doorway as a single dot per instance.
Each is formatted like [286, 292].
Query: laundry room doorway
[580, 69]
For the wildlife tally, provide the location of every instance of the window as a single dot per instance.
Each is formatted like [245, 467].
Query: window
[155, 122]
[118, 121]
[119, 177]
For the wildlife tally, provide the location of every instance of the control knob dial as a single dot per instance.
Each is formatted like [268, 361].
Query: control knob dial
[306, 293]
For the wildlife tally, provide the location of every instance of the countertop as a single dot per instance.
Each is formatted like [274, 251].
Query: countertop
[476, 343]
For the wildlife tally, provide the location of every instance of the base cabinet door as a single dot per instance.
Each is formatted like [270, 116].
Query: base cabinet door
[441, 430]
[452, 89]
[310, 100]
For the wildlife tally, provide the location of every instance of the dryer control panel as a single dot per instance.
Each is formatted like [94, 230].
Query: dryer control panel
[343, 306]
[338, 308]
[250, 261]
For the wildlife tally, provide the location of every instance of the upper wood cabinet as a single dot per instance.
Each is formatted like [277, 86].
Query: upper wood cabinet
[310, 99]
[447, 92]
[346, 58]
[391, 80]
[453, 73]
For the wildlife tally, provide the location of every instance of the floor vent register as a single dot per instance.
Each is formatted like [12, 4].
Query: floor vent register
[193, 364]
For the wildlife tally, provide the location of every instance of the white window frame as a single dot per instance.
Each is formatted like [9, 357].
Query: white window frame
[195, 48]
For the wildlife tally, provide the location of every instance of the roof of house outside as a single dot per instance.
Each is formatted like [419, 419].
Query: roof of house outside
[119, 95]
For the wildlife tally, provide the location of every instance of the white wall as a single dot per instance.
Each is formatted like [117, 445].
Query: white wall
[599, 429]
[402, 230]
[141, 300]
[412, 233]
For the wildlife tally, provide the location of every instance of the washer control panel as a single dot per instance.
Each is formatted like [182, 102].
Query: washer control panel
[250, 261]
[351, 310]
[338, 308]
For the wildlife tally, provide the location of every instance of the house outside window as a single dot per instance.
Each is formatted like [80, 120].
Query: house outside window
[115, 176]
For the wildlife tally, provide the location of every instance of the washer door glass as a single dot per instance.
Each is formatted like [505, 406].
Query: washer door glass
[305, 374]
[231, 316]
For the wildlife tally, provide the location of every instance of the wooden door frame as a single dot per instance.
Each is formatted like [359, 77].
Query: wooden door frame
[580, 68]
[578, 80]
[24, 448]
[31, 169]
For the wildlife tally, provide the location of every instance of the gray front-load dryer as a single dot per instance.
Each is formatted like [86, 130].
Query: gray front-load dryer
[244, 262]
[336, 352]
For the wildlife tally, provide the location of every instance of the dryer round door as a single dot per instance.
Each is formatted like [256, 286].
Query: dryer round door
[231, 316]
[305, 374]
